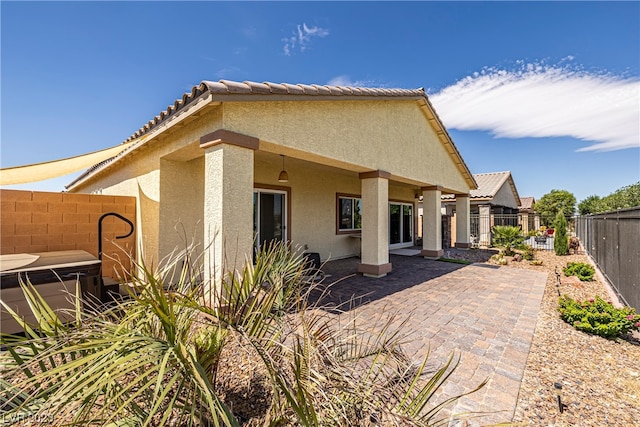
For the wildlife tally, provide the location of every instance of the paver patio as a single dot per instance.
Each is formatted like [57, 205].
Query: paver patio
[486, 314]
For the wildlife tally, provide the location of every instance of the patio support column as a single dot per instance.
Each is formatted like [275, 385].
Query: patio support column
[375, 224]
[523, 221]
[432, 222]
[463, 221]
[485, 225]
[228, 204]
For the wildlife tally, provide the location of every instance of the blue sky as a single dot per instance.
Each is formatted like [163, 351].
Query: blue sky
[547, 90]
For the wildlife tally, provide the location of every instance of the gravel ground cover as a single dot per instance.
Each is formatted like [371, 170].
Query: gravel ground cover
[600, 377]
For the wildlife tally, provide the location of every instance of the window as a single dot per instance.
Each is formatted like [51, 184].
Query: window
[349, 211]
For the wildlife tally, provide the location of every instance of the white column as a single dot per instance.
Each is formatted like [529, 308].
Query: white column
[228, 203]
[432, 222]
[375, 224]
[463, 221]
[485, 225]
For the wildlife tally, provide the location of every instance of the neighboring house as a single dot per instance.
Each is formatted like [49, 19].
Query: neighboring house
[314, 165]
[526, 204]
[527, 216]
[494, 202]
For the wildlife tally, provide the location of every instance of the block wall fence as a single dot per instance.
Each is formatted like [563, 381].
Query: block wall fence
[34, 221]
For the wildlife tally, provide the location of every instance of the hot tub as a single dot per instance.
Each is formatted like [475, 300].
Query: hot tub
[54, 274]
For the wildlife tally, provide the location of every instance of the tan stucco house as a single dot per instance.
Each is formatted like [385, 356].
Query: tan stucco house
[356, 160]
[496, 193]
[494, 202]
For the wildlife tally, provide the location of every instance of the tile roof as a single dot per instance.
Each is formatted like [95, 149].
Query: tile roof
[526, 202]
[488, 185]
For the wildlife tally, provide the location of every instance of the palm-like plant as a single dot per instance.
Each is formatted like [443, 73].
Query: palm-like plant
[507, 237]
[153, 359]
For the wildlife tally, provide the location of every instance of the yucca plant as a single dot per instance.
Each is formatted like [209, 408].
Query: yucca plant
[137, 362]
[332, 372]
[154, 358]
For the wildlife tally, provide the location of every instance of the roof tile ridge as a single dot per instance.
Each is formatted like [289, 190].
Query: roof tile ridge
[255, 87]
[276, 88]
[236, 87]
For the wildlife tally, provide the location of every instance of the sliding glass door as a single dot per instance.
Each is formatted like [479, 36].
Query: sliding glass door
[269, 216]
[400, 225]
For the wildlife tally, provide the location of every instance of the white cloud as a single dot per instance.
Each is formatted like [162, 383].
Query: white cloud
[344, 80]
[301, 38]
[229, 72]
[538, 100]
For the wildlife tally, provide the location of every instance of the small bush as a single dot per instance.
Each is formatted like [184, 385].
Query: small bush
[507, 237]
[598, 317]
[582, 270]
[574, 244]
[528, 253]
[536, 262]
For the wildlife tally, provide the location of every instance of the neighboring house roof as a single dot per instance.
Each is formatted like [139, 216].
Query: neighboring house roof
[488, 186]
[226, 90]
[526, 203]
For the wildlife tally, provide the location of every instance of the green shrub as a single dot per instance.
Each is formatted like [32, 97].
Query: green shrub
[560, 241]
[507, 237]
[582, 270]
[528, 253]
[598, 317]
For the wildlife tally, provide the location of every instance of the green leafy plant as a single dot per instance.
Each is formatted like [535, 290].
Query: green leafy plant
[551, 203]
[560, 241]
[528, 253]
[154, 358]
[507, 237]
[598, 317]
[582, 270]
[536, 262]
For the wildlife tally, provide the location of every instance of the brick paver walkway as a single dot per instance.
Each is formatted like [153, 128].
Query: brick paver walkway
[486, 314]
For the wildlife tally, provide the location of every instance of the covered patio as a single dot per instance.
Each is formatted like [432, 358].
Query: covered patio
[232, 165]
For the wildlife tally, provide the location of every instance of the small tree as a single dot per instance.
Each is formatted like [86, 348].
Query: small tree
[551, 203]
[625, 197]
[589, 205]
[560, 242]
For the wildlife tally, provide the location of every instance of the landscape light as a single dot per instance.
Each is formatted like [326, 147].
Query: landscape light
[558, 388]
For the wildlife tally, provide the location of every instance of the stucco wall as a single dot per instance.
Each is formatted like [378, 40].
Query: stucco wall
[313, 193]
[505, 197]
[393, 136]
[181, 213]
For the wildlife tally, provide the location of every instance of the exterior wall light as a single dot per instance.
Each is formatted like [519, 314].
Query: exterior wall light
[284, 176]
